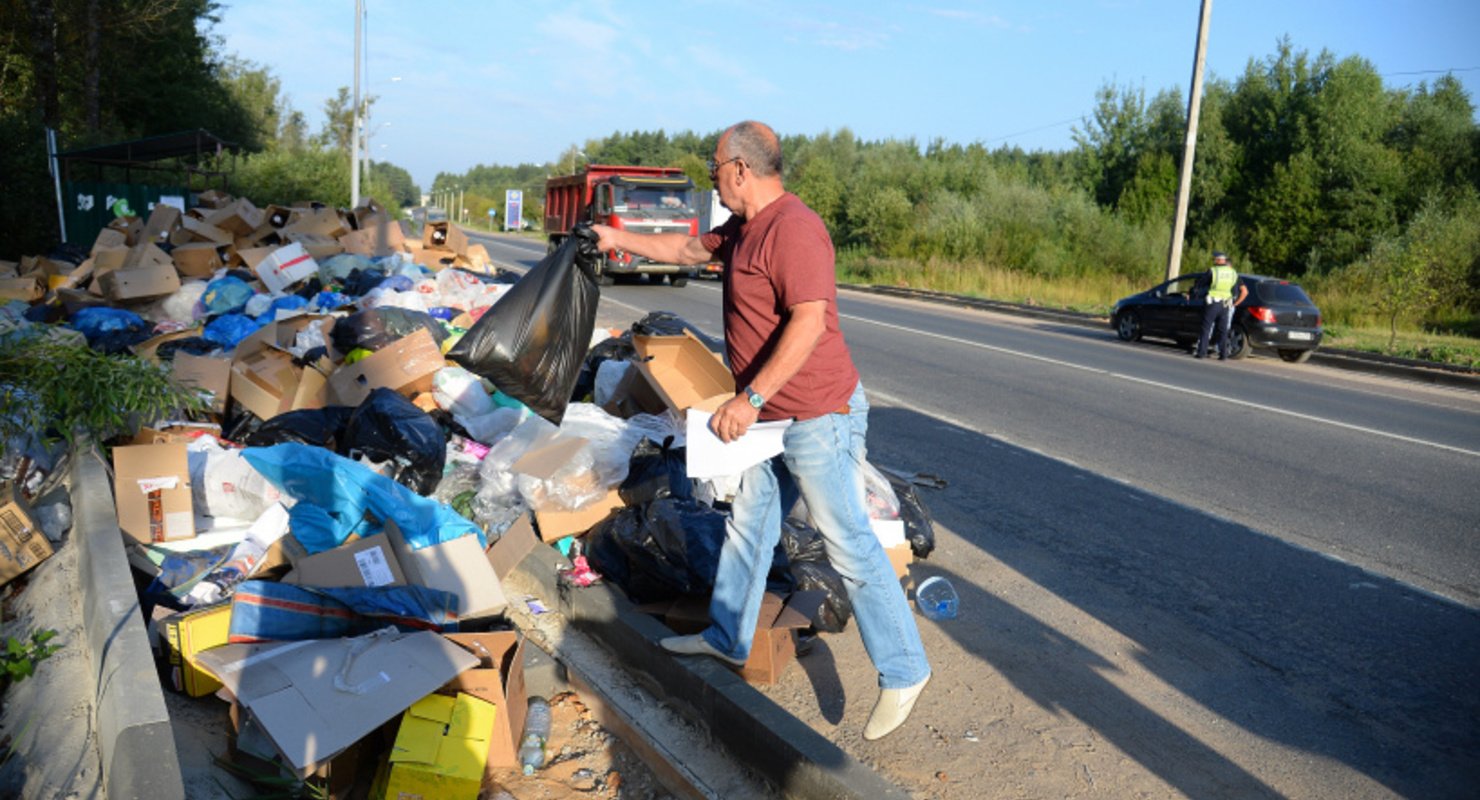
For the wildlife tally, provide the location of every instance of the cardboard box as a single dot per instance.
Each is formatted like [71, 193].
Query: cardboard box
[900, 558]
[289, 690]
[109, 237]
[107, 258]
[284, 267]
[22, 543]
[249, 257]
[441, 750]
[131, 227]
[317, 221]
[176, 433]
[239, 217]
[633, 395]
[197, 260]
[186, 635]
[774, 645]
[148, 349]
[162, 222]
[151, 485]
[682, 371]
[368, 214]
[194, 230]
[435, 260]
[25, 290]
[210, 375]
[459, 566]
[406, 365]
[268, 383]
[444, 236]
[363, 562]
[140, 283]
[144, 254]
[213, 199]
[374, 241]
[518, 541]
[499, 680]
[556, 524]
[317, 245]
[276, 216]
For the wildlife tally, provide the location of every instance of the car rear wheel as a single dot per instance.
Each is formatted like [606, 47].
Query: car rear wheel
[1238, 342]
[1128, 326]
[1296, 356]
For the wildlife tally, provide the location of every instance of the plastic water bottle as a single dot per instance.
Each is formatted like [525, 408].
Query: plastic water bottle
[936, 599]
[536, 733]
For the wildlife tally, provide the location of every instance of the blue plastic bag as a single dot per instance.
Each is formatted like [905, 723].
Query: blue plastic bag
[334, 492]
[397, 283]
[290, 302]
[328, 301]
[99, 321]
[226, 295]
[229, 329]
[265, 611]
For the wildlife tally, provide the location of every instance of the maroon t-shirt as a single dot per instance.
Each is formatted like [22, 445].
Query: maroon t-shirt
[781, 258]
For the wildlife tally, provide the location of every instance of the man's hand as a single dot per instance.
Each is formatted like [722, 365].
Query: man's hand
[605, 237]
[733, 419]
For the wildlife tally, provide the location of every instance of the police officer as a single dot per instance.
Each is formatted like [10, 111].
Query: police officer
[1223, 281]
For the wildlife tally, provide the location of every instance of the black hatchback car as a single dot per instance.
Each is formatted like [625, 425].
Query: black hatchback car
[1277, 314]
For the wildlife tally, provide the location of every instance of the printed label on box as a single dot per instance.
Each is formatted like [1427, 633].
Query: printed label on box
[373, 568]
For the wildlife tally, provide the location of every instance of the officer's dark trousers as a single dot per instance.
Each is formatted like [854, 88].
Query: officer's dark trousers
[1215, 313]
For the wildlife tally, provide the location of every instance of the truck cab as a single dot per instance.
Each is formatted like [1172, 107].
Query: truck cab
[641, 199]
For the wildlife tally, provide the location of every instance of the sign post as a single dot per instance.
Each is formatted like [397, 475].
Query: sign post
[513, 203]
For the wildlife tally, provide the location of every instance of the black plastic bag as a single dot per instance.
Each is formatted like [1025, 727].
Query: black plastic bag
[614, 348]
[194, 345]
[378, 327]
[531, 343]
[360, 281]
[667, 323]
[388, 427]
[811, 570]
[655, 472]
[919, 528]
[320, 427]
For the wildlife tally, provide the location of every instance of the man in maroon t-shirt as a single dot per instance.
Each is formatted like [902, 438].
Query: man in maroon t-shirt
[790, 362]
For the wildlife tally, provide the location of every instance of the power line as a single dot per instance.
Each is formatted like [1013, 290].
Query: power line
[1431, 71]
[1035, 130]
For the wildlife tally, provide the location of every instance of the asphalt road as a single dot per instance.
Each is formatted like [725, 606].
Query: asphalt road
[1292, 549]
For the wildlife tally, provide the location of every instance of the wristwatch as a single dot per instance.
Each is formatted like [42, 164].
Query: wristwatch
[756, 401]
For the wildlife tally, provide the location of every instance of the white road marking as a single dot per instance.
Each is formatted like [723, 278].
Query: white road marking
[1171, 387]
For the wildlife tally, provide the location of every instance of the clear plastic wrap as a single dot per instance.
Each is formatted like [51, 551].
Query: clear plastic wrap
[461, 392]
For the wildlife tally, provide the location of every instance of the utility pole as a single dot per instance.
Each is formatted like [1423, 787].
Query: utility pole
[354, 141]
[1189, 147]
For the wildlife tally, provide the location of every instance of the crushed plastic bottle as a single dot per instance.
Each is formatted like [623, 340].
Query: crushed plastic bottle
[536, 733]
[936, 598]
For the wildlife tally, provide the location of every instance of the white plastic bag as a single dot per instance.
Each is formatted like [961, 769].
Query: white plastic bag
[223, 484]
[608, 376]
[461, 392]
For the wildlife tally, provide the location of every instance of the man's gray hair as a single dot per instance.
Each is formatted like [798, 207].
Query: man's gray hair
[756, 144]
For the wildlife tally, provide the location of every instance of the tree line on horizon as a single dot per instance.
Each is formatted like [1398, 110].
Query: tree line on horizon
[1306, 166]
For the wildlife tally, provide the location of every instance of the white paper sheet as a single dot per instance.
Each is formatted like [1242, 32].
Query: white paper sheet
[708, 457]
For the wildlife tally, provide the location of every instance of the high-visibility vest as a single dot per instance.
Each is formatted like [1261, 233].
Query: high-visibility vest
[1224, 279]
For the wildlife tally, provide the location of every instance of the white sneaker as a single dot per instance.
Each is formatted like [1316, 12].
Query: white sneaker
[697, 645]
[892, 710]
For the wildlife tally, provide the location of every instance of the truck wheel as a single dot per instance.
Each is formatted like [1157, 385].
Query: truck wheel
[677, 280]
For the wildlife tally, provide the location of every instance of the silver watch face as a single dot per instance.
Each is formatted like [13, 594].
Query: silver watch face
[756, 401]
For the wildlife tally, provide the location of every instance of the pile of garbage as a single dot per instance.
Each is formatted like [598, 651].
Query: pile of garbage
[392, 426]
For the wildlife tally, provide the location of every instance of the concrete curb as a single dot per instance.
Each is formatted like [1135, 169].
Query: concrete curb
[135, 740]
[1354, 360]
[793, 757]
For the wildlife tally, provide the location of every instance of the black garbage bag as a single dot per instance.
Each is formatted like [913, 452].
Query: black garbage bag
[378, 327]
[70, 253]
[656, 471]
[194, 345]
[530, 345]
[811, 570]
[388, 427]
[320, 427]
[360, 281]
[667, 323]
[919, 528]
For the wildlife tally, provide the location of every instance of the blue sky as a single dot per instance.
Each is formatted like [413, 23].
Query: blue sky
[508, 83]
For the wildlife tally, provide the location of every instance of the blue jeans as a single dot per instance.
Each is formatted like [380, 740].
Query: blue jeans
[821, 463]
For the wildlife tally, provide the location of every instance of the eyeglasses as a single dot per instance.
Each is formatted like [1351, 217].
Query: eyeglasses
[714, 168]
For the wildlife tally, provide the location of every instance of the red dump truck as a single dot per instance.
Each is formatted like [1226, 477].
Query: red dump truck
[644, 199]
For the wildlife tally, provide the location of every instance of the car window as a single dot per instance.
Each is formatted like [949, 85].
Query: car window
[1281, 292]
[1181, 286]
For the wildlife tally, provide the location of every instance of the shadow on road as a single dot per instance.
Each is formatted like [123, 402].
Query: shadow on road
[1288, 645]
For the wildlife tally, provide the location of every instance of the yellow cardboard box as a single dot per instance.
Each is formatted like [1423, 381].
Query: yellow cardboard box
[191, 632]
[440, 750]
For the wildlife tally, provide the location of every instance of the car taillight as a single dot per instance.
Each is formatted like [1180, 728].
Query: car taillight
[1265, 315]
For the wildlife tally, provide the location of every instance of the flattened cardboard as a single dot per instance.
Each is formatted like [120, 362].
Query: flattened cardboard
[556, 524]
[151, 485]
[210, 375]
[197, 260]
[186, 635]
[284, 267]
[434, 260]
[318, 246]
[140, 283]
[406, 366]
[774, 645]
[366, 562]
[196, 230]
[441, 750]
[148, 349]
[498, 679]
[25, 290]
[22, 543]
[681, 370]
[518, 541]
[900, 559]
[289, 689]
[458, 566]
